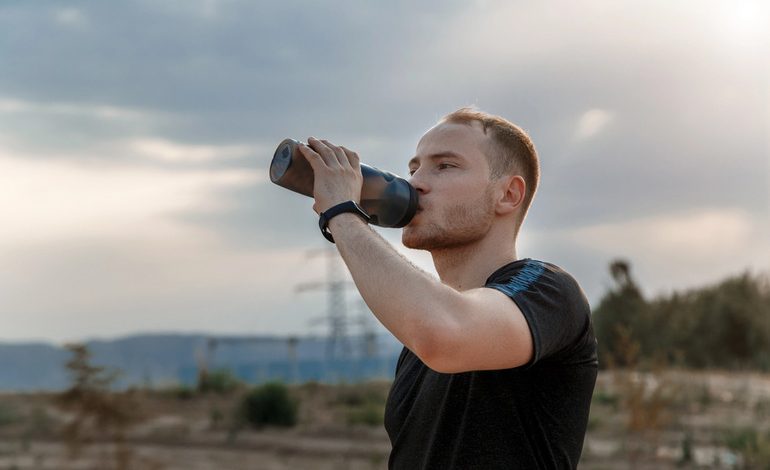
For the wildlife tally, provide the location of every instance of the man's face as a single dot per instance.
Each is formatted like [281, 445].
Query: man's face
[451, 175]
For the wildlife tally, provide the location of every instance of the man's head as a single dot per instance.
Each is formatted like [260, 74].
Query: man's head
[471, 169]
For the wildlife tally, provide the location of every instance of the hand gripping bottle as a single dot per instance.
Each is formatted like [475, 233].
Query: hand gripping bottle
[389, 200]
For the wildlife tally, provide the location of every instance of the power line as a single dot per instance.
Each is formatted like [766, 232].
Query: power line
[335, 284]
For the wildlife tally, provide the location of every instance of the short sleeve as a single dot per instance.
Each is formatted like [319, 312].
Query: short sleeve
[553, 304]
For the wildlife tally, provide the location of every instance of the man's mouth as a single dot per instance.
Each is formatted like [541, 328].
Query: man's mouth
[416, 213]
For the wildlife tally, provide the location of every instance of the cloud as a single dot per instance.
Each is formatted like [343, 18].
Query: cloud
[10, 105]
[70, 18]
[592, 122]
[744, 23]
[150, 281]
[696, 235]
[681, 249]
[47, 200]
[168, 151]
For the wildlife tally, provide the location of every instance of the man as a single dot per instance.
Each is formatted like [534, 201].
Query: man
[499, 360]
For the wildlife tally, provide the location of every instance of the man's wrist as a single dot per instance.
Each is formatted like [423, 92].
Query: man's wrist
[329, 214]
[343, 223]
[344, 219]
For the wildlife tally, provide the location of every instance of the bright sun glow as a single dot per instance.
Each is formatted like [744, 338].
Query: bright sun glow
[745, 22]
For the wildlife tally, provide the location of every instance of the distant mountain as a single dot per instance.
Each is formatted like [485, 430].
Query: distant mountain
[166, 359]
[32, 366]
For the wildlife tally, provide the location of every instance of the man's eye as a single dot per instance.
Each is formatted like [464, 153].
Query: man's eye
[411, 172]
[444, 166]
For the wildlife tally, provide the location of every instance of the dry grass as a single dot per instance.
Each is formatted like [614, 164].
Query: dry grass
[654, 419]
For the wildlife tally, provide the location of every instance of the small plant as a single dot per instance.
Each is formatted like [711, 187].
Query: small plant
[594, 422]
[606, 398]
[762, 409]
[358, 395]
[179, 392]
[752, 444]
[39, 423]
[96, 411]
[360, 403]
[269, 405]
[687, 453]
[215, 418]
[370, 414]
[8, 415]
[704, 397]
[221, 381]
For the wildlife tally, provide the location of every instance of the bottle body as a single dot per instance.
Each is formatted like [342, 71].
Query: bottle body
[389, 200]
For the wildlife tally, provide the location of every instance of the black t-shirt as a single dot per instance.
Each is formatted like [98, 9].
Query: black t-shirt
[528, 417]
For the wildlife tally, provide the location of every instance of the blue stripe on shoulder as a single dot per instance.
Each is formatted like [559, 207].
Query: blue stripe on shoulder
[522, 279]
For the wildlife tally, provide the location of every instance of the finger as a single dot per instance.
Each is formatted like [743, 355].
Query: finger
[326, 153]
[355, 162]
[338, 152]
[312, 157]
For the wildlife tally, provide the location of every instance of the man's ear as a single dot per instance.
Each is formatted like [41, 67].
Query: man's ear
[514, 188]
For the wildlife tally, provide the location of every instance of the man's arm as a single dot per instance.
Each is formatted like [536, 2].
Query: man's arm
[451, 331]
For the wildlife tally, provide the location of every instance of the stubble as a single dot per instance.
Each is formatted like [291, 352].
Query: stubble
[459, 225]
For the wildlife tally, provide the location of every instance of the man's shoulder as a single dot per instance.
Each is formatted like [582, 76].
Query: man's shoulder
[518, 276]
[551, 300]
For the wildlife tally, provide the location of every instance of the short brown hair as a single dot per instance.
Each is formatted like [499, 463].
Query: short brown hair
[512, 149]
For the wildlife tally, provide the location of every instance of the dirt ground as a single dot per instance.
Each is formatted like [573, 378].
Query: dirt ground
[654, 420]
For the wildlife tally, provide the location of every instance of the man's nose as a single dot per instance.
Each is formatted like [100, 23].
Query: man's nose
[419, 185]
[419, 182]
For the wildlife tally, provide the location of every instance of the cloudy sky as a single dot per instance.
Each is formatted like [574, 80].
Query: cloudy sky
[135, 138]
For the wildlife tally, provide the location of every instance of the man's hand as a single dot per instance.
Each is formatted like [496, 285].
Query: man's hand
[337, 173]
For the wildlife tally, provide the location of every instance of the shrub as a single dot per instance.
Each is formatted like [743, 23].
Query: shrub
[182, 392]
[753, 444]
[219, 381]
[730, 322]
[8, 415]
[269, 405]
[96, 410]
[358, 395]
[370, 414]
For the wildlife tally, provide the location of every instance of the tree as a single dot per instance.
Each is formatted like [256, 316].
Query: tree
[619, 318]
[96, 412]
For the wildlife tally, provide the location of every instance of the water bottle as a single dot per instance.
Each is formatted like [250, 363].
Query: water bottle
[389, 200]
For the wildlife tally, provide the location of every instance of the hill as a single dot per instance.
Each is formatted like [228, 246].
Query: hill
[166, 359]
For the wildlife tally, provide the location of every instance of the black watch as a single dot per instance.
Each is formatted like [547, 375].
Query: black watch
[347, 206]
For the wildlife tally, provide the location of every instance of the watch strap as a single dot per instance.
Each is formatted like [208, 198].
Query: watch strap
[328, 214]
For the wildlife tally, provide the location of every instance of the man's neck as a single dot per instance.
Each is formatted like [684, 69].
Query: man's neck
[468, 267]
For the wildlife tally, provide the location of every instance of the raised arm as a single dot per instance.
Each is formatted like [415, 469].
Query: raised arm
[450, 331]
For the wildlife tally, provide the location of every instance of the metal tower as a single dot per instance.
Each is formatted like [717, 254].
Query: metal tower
[336, 314]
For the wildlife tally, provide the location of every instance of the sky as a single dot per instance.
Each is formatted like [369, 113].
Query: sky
[135, 138]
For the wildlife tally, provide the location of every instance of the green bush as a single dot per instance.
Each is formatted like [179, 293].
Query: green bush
[8, 415]
[177, 392]
[604, 398]
[725, 325]
[369, 414]
[269, 405]
[752, 444]
[358, 395]
[218, 381]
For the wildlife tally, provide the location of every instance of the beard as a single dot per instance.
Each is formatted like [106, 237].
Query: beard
[458, 225]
